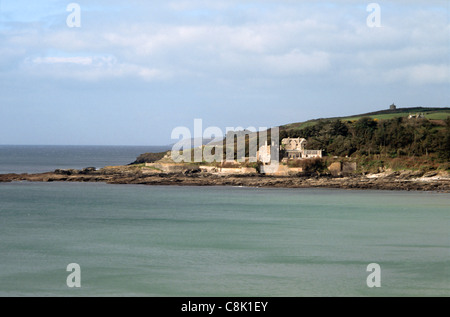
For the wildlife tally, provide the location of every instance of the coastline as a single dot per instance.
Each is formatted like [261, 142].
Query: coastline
[403, 180]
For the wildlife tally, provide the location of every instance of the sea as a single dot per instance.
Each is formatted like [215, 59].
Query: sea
[42, 158]
[96, 239]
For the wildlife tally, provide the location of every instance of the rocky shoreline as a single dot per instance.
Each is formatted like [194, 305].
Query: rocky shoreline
[404, 180]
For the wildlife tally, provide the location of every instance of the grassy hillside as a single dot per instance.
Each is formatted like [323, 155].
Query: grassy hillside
[429, 113]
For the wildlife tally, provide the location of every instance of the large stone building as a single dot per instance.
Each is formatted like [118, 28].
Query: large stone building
[295, 149]
[263, 154]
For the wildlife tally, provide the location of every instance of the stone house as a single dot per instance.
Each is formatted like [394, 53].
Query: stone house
[416, 116]
[295, 149]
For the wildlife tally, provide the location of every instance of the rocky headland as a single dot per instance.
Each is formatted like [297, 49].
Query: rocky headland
[140, 174]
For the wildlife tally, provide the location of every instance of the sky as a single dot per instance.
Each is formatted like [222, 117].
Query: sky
[135, 70]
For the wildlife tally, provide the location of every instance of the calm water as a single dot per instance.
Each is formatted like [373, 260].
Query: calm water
[221, 241]
[38, 159]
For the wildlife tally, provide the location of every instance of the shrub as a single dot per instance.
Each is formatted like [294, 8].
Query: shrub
[309, 165]
[149, 157]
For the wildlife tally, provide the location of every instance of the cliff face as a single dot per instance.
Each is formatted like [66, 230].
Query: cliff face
[149, 157]
[406, 180]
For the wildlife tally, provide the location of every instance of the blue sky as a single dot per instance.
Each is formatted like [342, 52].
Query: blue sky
[135, 70]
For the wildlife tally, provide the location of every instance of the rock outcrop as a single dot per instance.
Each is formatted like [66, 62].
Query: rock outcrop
[400, 180]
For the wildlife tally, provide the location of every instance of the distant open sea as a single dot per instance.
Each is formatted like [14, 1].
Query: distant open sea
[45, 158]
[137, 240]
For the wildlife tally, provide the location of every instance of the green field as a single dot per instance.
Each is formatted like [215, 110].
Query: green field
[429, 113]
[437, 115]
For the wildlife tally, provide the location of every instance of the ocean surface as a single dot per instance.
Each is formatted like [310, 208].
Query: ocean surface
[132, 240]
[39, 159]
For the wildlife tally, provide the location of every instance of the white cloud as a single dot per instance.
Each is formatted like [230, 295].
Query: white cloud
[183, 58]
[63, 60]
[296, 62]
[423, 74]
[93, 68]
[182, 5]
[288, 39]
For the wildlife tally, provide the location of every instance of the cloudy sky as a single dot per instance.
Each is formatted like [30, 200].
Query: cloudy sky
[135, 70]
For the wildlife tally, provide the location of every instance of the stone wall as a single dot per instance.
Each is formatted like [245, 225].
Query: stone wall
[348, 167]
[342, 168]
[228, 170]
[284, 170]
[171, 167]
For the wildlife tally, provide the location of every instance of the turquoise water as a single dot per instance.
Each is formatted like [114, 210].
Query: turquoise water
[221, 241]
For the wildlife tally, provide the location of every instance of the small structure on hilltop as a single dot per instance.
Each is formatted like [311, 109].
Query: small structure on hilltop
[392, 107]
[295, 149]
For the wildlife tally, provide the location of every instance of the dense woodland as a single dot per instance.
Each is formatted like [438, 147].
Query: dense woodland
[393, 137]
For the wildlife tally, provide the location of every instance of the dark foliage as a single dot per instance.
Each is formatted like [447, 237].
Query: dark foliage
[367, 136]
[149, 157]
